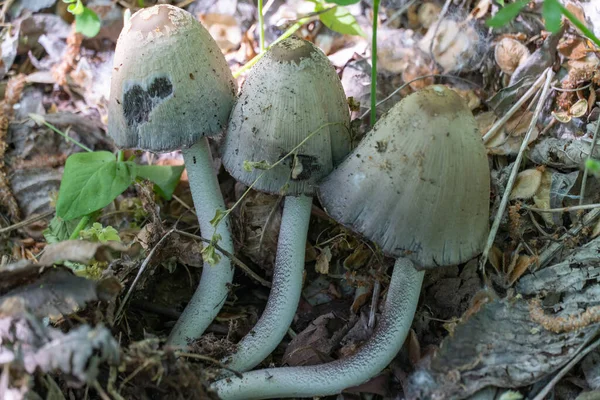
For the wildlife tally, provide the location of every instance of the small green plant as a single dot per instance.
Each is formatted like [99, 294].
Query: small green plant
[552, 11]
[87, 21]
[99, 233]
[336, 17]
[92, 180]
[593, 166]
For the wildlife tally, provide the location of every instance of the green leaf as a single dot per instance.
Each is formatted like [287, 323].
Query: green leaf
[219, 215]
[552, 15]
[98, 233]
[88, 23]
[593, 166]
[90, 182]
[251, 165]
[166, 178]
[59, 230]
[69, 1]
[76, 8]
[506, 14]
[340, 20]
[343, 2]
[209, 253]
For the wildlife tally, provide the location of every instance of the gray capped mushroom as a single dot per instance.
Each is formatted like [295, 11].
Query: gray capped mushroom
[399, 186]
[292, 96]
[171, 88]
[422, 175]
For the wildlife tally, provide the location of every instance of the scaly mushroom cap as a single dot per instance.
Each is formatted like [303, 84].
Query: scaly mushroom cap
[418, 184]
[170, 84]
[291, 92]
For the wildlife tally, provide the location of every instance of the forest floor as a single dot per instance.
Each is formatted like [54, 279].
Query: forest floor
[521, 324]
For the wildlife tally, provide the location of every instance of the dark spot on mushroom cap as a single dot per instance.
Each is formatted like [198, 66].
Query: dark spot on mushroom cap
[161, 87]
[292, 49]
[138, 102]
[155, 20]
[136, 105]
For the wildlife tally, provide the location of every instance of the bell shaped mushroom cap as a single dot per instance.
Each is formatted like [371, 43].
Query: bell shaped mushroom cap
[418, 184]
[290, 93]
[170, 84]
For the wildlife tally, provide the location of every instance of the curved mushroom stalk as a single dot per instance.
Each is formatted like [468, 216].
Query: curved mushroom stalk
[292, 113]
[286, 289]
[334, 377]
[216, 279]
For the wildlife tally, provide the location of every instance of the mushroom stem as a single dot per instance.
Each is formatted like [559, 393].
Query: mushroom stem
[285, 290]
[334, 377]
[214, 283]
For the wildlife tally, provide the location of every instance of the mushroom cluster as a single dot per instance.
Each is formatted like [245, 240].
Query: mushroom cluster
[417, 185]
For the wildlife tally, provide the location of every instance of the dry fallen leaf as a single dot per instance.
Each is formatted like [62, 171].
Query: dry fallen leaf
[508, 140]
[541, 199]
[224, 29]
[428, 14]
[79, 251]
[575, 111]
[527, 184]
[481, 9]
[323, 259]
[455, 44]
[573, 48]
[522, 265]
[27, 343]
[509, 54]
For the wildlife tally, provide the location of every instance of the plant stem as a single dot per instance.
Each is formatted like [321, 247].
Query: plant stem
[285, 289]
[82, 223]
[586, 168]
[374, 63]
[261, 26]
[39, 119]
[580, 25]
[214, 283]
[333, 377]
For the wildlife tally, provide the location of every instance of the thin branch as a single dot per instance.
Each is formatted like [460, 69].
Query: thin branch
[209, 359]
[500, 123]
[513, 175]
[140, 272]
[26, 222]
[555, 247]
[227, 254]
[544, 392]
[562, 209]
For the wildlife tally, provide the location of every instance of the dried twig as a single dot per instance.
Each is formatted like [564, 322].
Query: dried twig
[555, 247]
[141, 272]
[26, 222]
[562, 209]
[227, 254]
[500, 123]
[544, 392]
[513, 175]
[209, 359]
